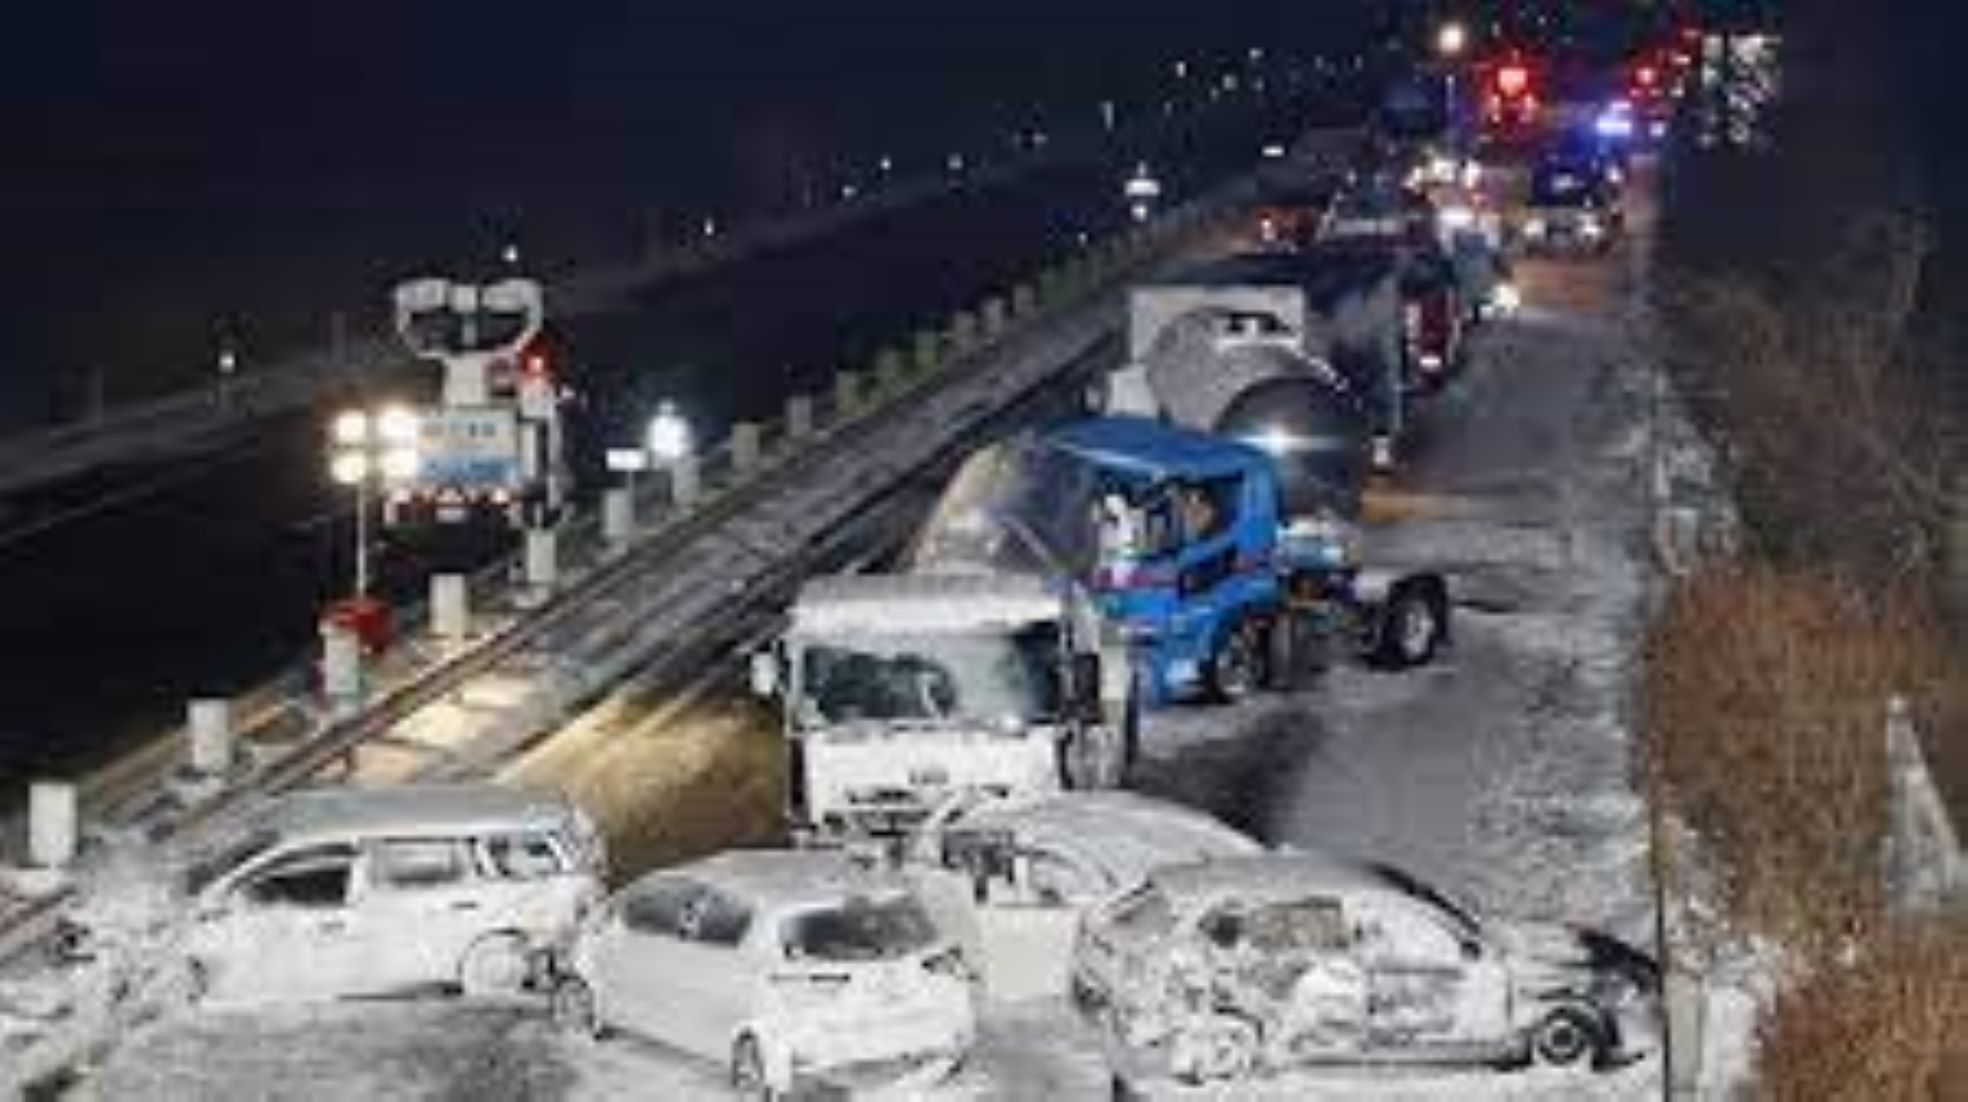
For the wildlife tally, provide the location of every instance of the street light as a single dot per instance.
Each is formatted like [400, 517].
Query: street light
[368, 448]
[669, 437]
[1451, 39]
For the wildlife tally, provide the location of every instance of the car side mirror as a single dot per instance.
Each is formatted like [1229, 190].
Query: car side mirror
[765, 673]
[1472, 950]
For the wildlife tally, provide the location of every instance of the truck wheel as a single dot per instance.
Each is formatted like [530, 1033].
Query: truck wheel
[1236, 669]
[1296, 652]
[1411, 628]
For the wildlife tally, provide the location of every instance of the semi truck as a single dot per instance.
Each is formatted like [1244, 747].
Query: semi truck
[1316, 339]
[901, 691]
[1215, 579]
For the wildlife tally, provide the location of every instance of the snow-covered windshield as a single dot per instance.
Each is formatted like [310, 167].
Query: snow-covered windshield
[860, 929]
[1457, 915]
[988, 676]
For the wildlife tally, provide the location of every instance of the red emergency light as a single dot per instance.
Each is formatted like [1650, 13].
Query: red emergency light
[1646, 75]
[1513, 80]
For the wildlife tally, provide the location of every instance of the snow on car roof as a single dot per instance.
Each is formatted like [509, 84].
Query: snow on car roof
[1268, 876]
[921, 602]
[782, 878]
[1127, 834]
[412, 809]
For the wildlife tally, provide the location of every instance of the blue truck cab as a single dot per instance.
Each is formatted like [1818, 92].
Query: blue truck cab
[1186, 538]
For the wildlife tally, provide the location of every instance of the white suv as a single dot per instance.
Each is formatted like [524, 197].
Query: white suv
[357, 892]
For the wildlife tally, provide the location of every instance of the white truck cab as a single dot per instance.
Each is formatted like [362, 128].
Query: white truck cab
[901, 691]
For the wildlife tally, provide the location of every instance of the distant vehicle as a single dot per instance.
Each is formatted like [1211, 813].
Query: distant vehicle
[900, 690]
[1024, 871]
[1433, 319]
[349, 892]
[786, 966]
[493, 442]
[1182, 539]
[1245, 968]
[1574, 207]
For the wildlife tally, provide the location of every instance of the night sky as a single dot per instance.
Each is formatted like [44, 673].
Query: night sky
[175, 164]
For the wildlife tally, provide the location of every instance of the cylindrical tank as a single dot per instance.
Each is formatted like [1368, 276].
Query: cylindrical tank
[1315, 433]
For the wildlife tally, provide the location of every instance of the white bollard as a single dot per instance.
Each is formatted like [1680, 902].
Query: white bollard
[52, 828]
[745, 449]
[686, 482]
[799, 417]
[542, 559]
[617, 516]
[450, 603]
[847, 393]
[341, 669]
[996, 318]
[1686, 1012]
[210, 721]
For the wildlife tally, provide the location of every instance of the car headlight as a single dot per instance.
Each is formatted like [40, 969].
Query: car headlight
[1534, 228]
[1590, 226]
[1506, 298]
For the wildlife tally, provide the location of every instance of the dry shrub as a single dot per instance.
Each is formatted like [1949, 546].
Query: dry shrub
[1763, 715]
[1890, 1024]
[1830, 434]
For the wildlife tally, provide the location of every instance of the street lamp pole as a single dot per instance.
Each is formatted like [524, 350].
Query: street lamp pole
[361, 539]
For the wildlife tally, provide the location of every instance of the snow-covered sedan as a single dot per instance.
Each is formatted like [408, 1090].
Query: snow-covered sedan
[1249, 967]
[1013, 877]
[789, 966]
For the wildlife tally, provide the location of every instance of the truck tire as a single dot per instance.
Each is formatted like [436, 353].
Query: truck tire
[1236, 670]
[1411, 627]
[1296, 652]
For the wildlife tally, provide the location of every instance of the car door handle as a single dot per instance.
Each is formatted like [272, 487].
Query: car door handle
[465, 905]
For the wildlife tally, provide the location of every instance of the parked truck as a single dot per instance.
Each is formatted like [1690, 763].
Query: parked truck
[902, 691]
[1327, 324]
[1214, 578]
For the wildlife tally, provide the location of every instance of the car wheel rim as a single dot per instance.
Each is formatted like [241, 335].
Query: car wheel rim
[494, 968]
[1417, 629]
[1562, 1042]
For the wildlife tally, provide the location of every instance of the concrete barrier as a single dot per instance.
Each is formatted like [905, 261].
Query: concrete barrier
[686, 481]
[341, 670]
[746, 448]
[53, 825]
[1024, 301]
[965, 333]
[997, 318]
[617, 517]
[891, 370]
[542, 554]
[926, 350]
[450, 608]
[847, 393]
[799, 417]
[209, 721]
